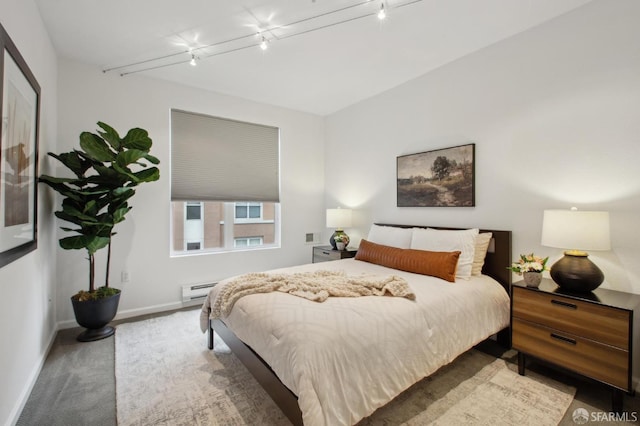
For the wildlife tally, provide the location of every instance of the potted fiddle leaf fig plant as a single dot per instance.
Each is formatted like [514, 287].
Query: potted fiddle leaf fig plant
[106, 170]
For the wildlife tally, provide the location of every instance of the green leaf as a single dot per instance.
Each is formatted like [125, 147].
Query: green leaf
[84, 155]
[129, 156]
[70, 229]
[74, 212]
[93, 192]
[95, 147]
[108, 176]
[110, 135]
[64, 186]
[68, 218]
[148, 175]
[119, 198]
[137, 139]
[123, 193]
[73, 162]
[55, 180]
[118, 215]
[152, 159]
[77, 194]
[91, 243]
[100, 229]
[125, 173]
[91, 208]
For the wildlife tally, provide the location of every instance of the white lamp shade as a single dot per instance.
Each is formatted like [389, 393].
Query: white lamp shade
[338, 218]
[576, 230]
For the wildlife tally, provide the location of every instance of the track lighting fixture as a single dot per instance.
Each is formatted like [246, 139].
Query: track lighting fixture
[277, 32]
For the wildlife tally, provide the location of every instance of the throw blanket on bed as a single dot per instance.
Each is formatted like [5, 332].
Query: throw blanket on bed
[315, 286]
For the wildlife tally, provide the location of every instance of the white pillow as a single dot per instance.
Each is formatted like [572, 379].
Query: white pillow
[445, 240]
[390, 236]
[482, 245]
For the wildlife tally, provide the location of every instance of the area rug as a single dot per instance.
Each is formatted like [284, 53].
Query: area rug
[166, 375]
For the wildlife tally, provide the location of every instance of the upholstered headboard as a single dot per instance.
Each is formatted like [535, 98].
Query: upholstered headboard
[498, 256]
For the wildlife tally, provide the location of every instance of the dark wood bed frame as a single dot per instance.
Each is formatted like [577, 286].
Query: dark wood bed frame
[495, 265]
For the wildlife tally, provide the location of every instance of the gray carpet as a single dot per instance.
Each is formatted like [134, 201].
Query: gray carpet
[166, 375]
[77, 385]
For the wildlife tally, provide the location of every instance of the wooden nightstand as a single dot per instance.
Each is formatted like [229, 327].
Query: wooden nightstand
[326, 253]
[590, 334]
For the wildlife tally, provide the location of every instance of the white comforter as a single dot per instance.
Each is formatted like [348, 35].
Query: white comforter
[346, 357]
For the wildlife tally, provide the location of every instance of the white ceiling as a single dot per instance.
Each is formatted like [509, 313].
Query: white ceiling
[317, 65]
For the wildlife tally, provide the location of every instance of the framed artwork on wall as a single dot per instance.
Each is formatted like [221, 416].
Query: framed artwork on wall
[440, 178]
[20, 106]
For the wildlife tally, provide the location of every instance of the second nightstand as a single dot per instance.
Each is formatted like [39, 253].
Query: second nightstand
[590, 334]
[326, 253]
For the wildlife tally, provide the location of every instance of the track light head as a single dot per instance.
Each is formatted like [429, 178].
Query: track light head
[382, 14]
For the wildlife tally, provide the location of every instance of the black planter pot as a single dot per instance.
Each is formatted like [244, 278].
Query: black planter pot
[94, 315]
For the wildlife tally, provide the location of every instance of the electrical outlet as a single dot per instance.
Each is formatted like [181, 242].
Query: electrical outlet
[312, 237]
[124, 277]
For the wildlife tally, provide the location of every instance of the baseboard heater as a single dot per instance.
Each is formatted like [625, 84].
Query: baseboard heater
[196, 292]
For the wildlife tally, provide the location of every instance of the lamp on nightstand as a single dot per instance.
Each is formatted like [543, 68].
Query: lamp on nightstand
[577, 231]
[338, 219]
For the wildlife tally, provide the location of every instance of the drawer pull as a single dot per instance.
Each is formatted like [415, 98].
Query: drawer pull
[564, 339]
[564, 304]
[326, 253]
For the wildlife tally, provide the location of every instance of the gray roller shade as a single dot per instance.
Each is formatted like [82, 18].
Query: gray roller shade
[216, 159]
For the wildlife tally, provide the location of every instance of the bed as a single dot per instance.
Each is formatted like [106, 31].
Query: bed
[336, 362]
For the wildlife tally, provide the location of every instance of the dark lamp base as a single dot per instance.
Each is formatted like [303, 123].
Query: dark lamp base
[333, 242]
[576, 273]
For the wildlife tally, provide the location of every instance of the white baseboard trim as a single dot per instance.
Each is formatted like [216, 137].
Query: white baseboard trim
[130, 313]
[14, 415]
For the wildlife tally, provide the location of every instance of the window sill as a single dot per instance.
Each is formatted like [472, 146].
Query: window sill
[222, 250]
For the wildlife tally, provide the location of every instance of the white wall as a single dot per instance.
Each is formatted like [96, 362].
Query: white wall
[27, 286]
[555, 116]
[87, 96]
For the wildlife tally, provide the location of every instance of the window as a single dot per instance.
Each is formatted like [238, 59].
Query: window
[192, 229]
[247, 212]
[216, 205]
[214, 226]
[247, 241]
[193, 246]
[194, 211]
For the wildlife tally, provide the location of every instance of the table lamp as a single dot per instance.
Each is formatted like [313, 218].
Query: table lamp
[577, 231]
[338, 219]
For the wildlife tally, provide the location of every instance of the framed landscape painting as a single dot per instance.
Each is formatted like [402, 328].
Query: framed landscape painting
[440, 178]
[20, 100]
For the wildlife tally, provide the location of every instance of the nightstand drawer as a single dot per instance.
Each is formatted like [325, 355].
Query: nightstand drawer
[326, 253]
[596, 360]
[322, 255]
[588, 320]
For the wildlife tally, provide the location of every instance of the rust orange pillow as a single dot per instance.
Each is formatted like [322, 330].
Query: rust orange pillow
[434, 263]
